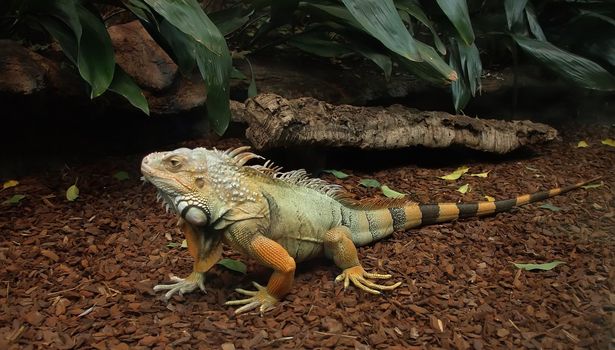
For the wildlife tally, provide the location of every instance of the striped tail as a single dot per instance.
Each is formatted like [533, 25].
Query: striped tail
[381, 222]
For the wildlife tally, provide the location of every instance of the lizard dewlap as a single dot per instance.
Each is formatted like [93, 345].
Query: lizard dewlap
[281, 218]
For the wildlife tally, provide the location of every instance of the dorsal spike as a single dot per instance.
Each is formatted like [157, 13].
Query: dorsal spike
[232, 152]
[243, 158]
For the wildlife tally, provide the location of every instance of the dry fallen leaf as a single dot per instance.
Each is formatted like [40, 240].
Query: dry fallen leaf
[485, 174]
[464, 189]
[10, 183]
[582, 144]
[456, 174]
[608, 142]
[489, 198]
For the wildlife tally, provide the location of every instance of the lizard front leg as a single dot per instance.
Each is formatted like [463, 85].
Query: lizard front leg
[340, 248]
[271, 254]
[206, 249]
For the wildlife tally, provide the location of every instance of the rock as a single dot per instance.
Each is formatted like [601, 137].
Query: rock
[141, 57]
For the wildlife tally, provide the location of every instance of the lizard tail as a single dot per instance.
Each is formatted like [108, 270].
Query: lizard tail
[373, 222]
[425, 214]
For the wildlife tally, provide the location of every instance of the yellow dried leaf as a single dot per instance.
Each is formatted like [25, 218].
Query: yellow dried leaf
[464, 189]
[456, 174]
[10, 183]
[481, 174]
[608, 142]
[490, 199]
[72, 193]
[582, 144]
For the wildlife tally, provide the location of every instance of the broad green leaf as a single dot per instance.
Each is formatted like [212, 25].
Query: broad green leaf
[62, 33]
[208, 47]
[550, 207]
[234, 265]
[457, 13]
[608, 142]
[230, 19]
[16, 198]
[237, 74]
[460, 88]
[456, 174]
[533, 23]
[414, 9]
[381, 20]
[95, 57]
[318, 44]
[63, 10]
[252, 87]
[173, 245]
[370, 183]
[489, 198]
[485, 174]
[9, 183]
[433, 68]
[464, 189]
[514, 12]
[582, 144]
[141, 11]
[471, 65]
[72, 193]
[388, 192]
[121, 175]
[545, 266]
[593, 185]
[380, 59]
[577, 69]
[123, 85]
[336, 173]
[597, 15]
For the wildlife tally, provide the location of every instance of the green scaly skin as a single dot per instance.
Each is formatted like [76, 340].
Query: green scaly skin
[281, 219]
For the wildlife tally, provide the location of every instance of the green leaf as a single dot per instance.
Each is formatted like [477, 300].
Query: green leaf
[63, 35]
[233, 265]
[464, 188]
[72, 193]
[579, 70]
[16, 198]
[95, 57]
[230, 19]
[391, 193]
[456, 174]
[550, 207]
[460, 88]
[433, 68]
[208, 47]
[63, 10]
[589, 186]
[381, 20]
[514, 12]
[173, 245]
[471, 65]
[121, 175]
[380, 59]
[533, 22]
[545, 266]
[318, 44]
[370, 183]
[123, 85]
[457, 13]
[252, 87]
[336, 173]
[413, 8]
[9, 184]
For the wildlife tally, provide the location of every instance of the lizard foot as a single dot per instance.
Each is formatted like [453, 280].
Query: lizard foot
[259, 298]
[183, 285]
[357, 275]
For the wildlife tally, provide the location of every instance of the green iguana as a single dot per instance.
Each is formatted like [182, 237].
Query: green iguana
[281, 218]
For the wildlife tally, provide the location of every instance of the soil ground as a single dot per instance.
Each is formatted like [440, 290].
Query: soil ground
[80, 274]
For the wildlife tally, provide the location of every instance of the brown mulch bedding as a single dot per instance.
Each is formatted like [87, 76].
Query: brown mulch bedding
[80, 274]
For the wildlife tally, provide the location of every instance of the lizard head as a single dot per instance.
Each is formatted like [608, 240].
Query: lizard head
[182, 181]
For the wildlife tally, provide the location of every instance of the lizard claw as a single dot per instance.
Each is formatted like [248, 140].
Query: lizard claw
[357, 275]
[259, 298]
[182, 285]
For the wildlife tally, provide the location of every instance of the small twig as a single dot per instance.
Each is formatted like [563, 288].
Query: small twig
[50, 294]
[514, 325]
[339, 335]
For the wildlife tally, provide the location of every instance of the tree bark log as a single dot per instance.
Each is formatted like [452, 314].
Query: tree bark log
[277, 122]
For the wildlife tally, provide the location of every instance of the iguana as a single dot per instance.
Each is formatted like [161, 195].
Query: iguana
[282, 218]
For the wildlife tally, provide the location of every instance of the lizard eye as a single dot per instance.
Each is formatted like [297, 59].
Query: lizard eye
[174, 163]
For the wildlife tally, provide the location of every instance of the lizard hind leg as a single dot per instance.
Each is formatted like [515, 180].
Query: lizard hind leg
[340, 248]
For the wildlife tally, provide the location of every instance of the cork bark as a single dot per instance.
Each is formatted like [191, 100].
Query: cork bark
[274, 121]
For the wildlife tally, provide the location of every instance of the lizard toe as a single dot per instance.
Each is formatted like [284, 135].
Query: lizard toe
[358, 276]
[260, 299]
[182, 285]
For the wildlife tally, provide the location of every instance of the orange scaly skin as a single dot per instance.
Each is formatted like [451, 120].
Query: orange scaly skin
[280, 219]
